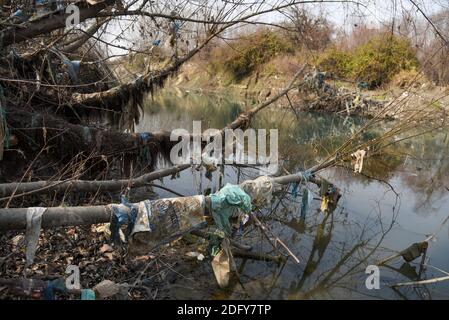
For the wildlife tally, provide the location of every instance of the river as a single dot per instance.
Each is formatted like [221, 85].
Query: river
[407, 201]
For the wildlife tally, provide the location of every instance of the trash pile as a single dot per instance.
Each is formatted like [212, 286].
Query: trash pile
[318, 95]
[145, 226]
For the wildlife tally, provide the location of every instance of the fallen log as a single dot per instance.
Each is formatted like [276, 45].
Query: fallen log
[16, 218]
[238, 245]
[63, 139]
[258, 256]
[26, 188]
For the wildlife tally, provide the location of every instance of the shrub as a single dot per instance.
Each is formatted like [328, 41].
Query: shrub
[375, 62]
[252, 51]
[334, 61]
[381, 58]
[405, 78]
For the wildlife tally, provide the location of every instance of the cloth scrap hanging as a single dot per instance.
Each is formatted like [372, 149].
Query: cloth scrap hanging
[34, 221]
[305, 177]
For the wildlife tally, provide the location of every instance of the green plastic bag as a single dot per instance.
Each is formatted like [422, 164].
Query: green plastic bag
[226, 202]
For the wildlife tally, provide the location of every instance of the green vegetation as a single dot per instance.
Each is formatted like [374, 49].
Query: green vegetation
[335, 61]
[244, 56]
[381, 58]
[375, 62]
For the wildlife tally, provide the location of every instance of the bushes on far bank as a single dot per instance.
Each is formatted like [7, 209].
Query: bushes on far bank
[375, 62]
[381, 58]
[335, 61]
[240, 58]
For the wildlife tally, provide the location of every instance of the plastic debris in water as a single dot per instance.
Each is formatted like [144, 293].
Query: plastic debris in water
[18, 14]
[414, 251]
[223, 264]
[306, 201]
[330, 196]
[359, 155]
[324, 203]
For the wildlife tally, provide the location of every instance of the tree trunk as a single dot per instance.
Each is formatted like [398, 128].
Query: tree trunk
[49, 23]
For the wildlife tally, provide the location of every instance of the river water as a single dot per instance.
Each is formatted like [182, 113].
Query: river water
[407, 201]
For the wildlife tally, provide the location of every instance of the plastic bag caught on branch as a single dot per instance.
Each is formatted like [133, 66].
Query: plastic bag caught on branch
[223, 264]
[260, 190]
[226, 202]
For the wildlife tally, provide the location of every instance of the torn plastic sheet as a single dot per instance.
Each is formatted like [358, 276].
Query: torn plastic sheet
[34, 220]
[243, 219]
[158, 219]
[359, 155]
[305, 177]
[124, 213]
[324, 203]
[223, 264]
[142, 223]
[260, 190]
[19, 14]
[307, 197]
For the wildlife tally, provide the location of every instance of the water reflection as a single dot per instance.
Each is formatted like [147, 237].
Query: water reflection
[400, 198]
